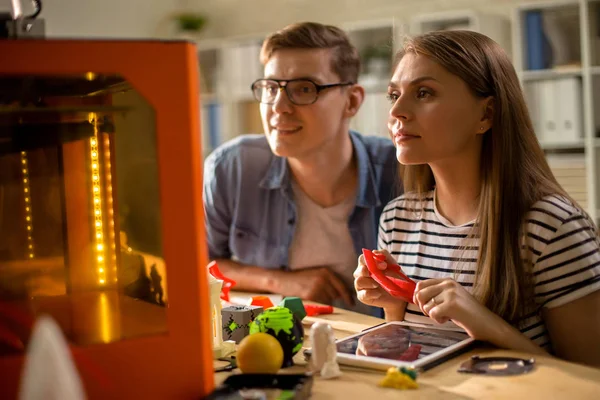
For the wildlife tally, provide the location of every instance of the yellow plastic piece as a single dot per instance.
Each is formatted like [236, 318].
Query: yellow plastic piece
[397, 380]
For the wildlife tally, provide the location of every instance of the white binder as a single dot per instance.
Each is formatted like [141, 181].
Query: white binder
[569, 110]
[531, 90]
[547, 112]
[560, 113]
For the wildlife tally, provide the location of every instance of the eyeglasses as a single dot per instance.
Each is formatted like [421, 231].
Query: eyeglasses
[300, 91]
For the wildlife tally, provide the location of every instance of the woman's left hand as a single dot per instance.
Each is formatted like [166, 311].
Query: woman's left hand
[445, 299]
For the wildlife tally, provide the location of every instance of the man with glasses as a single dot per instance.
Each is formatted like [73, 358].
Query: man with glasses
[288, 212]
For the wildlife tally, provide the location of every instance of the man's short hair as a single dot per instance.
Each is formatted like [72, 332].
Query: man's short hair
[345, 61]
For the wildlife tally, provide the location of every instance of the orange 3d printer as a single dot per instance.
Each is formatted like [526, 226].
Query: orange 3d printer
[100, 204]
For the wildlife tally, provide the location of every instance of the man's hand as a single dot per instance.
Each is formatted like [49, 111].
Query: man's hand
[317, 284]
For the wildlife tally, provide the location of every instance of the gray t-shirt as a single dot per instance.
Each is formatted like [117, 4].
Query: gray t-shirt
[322, 238]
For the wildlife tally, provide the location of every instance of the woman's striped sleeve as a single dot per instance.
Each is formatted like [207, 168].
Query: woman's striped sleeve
[569, 266]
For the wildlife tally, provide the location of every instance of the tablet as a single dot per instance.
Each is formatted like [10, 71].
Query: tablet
[401, 344]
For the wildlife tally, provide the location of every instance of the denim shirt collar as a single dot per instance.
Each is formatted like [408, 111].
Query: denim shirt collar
[367, 195]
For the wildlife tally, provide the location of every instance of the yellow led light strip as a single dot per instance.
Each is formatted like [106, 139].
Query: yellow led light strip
[97, 201]
[106, 321]
[27, 197]
[109, 201]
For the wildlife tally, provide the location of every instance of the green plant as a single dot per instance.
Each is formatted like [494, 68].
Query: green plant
[190, 22]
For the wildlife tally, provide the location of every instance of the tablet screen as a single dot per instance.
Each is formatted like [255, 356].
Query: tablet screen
[400, 342]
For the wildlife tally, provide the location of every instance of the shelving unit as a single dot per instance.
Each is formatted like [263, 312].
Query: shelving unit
[557, 57]
[494, 26]
[228, 109]
[210, 109]
[377, 43]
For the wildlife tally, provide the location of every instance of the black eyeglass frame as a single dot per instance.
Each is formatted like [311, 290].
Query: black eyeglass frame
[283, 84]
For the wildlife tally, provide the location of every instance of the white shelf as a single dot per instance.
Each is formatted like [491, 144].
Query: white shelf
[554, 73]
[580, 144]
[493, 25]
[441, 20]
[547, 4]
[596, 69]
[210, 44]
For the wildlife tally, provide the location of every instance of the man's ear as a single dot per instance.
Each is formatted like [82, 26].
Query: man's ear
[356, 96]
[487, 115]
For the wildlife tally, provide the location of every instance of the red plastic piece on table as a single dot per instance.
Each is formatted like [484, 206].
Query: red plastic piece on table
[403, 288]
[316, 309]
[214, 270]
[262, 301]
[411, 354]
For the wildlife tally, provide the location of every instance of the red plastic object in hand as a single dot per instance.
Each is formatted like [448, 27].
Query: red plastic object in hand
[316, 309]
[214, 270]
[403, 288]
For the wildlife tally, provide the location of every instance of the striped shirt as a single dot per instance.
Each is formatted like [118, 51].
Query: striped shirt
[561, 243]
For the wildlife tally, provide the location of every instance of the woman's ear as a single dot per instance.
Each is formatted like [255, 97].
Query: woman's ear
[356, 96]
[487, 117]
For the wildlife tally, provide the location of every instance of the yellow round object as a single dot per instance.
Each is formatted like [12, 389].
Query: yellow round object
[259, 353]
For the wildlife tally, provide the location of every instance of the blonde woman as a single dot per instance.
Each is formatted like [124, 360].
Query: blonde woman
[496, 245]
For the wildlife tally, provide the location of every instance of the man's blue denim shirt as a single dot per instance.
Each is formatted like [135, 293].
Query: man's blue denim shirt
[249, 206]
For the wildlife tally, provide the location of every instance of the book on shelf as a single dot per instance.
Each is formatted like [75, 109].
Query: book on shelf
[559, 45]
[551, 38]
[537, 46]
[211, 126]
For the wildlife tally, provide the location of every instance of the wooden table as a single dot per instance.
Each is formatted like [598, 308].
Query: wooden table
[551, 378]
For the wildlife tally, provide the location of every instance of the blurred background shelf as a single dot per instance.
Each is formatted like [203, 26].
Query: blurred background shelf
[557, 56]
[578, 144]
[554, 45]
[556, 73]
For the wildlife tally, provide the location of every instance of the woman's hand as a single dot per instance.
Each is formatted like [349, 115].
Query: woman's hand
[445, 299]
[369, 292]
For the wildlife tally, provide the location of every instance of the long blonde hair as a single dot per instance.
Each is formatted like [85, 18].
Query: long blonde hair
[514, 170]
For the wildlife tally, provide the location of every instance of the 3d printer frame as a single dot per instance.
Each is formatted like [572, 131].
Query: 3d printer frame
[178, 363]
